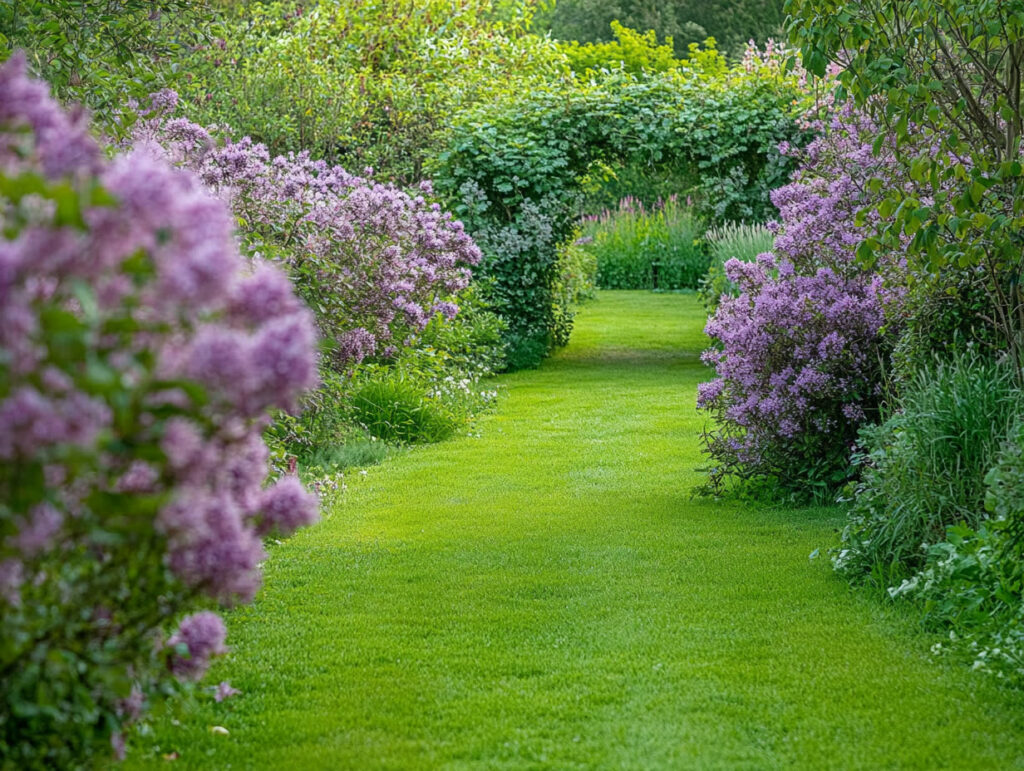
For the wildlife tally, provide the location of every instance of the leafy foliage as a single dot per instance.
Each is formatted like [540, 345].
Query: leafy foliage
[944, 77]
[972, 584]
[631, 51]
[380, 100]
[731, 22]
[515, 172]
[440, 372]
[100, 52]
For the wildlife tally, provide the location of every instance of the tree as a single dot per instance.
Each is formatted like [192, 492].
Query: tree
[944, 78]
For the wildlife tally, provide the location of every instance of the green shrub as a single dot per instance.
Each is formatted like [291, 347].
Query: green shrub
[1004, 498]
[725, 242]
[924, 468]
[363, 84]
[637, 248]
[577, 270]
[731, 22]
[631, 51]
[433, 387]
[945, 314]
[473, 342]
[103, 52]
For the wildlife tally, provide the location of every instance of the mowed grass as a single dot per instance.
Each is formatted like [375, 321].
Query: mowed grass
[550, 595]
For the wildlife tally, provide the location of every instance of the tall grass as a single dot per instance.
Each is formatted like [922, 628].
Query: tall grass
[925, 467]
[725, 242]
[639, 247]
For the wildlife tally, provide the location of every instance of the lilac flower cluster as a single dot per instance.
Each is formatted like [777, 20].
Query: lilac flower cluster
[140, 355]
[374, 262]
[799, 352]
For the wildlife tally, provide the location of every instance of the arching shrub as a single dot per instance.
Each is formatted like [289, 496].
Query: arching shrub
[139, 356]
[515, 172]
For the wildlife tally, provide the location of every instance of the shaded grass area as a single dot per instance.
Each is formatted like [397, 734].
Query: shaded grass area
[549, 595]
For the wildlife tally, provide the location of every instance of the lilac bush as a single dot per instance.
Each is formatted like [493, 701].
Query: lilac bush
[799, 353]
[140, 356]
[374, 262]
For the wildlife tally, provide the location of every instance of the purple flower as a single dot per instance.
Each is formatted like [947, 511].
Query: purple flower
[798, 352]
[375, 261]
[12, 576]
[211, 548]
[224, 691]
[199, 638]
[37, 533]
[286, 507]
[356, 344]
[140, 357]
[63, 143]
[266, 294]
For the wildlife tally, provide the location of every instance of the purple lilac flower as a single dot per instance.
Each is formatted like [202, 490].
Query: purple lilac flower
[382, 257]
[179, 326]
[286, 507]
[36, 533]
[798, 351]
[202, 635]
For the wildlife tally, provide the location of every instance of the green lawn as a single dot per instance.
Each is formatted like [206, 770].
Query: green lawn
[549, 595]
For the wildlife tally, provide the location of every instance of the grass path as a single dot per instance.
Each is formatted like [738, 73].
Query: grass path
[548, 595]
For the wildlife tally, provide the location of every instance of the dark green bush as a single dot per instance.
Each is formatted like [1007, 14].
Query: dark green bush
[944, 314]
[516, 172]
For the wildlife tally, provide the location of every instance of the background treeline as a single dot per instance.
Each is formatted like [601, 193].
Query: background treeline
[732, 23]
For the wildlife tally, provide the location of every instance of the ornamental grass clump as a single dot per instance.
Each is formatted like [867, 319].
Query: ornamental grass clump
[140, 355]
[733, 240]
[925, 466]
[799, 352]
[639, 247]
